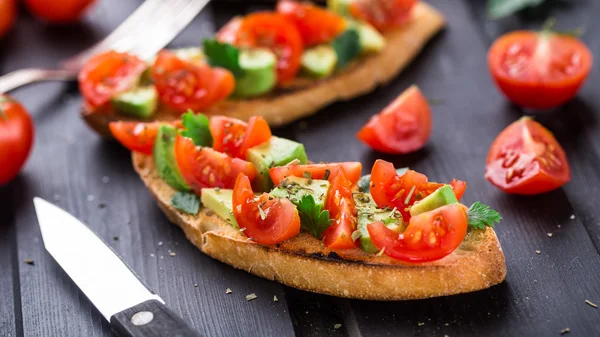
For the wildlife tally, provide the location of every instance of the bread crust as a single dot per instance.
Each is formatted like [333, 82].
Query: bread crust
[306, 97]
[303, 262]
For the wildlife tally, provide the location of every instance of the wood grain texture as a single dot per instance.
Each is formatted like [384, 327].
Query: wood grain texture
[543, 293]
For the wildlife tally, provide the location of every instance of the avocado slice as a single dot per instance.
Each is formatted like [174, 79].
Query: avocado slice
[274, 152]
[295, 188]
[219, 200]
[139, 102]
[164, 158]
[341, 7]
[442, 196]
[368, 213]
[259, 76]
[319, 61]
[371, 41]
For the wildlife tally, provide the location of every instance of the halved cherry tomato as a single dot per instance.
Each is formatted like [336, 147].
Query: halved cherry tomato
[315, 24]
[383, 14]
[8, 14]
[352, 171]
[525, 158]
[234, 137]
[138, 136]
[391, 190]
[539, 70]
[268, 30]
[62, 11]
[16, 138]
[342, 210]
[429, 236]
[108, 74]
[203, 167]
[403, 126]
[265, 219]
[184, 85]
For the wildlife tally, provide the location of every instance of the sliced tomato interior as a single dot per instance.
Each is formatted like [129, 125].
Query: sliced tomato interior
[342, 210]
[234, 137]
[352, 171]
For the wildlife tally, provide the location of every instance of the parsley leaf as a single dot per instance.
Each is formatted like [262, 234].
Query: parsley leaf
[223, 55]
[186, 202]
[346, 46]
[196, 128]
[498, 9]
[481, 215]
[364, 183]
[313, 218]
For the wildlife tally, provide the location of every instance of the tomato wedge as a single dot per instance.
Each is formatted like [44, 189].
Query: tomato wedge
[234, 137]
[183, 85]
[382, 14]
[203, 167]
[269, 30]
[525, 158]
[136, 136]
[352, 171]
[402, 127]
[316, 25]
[108, 74]
[342, 210]
[429, 236]
[265, 219]
[400, 192]
[539, 70]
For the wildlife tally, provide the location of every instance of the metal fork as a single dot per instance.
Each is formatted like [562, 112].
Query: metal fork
[148, 29]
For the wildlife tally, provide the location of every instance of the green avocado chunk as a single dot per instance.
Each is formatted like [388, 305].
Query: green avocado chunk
[219, 200]
[274, 152]
[258, 69]
[139, 102]
[164, 158]
[340, 7]
[371, 41]
[295, 188]
[442, 196]
[368, 213]
[319, 61]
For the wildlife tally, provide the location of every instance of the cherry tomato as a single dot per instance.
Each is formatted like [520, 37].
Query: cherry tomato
[265, 219]
[136, 136]
[316, 25]
[58, 11]
[352, 171]
[400, 192]
[16, 138]
[268, 30]
[403, 126]
[203, 167]
[234, 137]
[108, 74]
[525, 158]
[539, 70]
[8, 14]
[184, 85]
[429, 236]
[382, 14]
[342, 210]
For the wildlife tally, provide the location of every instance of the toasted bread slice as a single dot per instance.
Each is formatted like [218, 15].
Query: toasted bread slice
[303, 262]
[305, 97]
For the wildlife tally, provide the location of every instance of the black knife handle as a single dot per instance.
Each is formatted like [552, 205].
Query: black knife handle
[150, 319]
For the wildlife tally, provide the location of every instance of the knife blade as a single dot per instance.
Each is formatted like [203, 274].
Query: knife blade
[113, 288]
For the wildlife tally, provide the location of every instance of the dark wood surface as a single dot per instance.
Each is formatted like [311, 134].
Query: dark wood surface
[543, 294]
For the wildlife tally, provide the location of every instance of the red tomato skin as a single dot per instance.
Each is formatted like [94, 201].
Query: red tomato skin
[528, 151]
[536, 91]
[352, 170]
[108, 74]
[404, 126]
[342, 210]
[459, 187]
[135, 136]
[205, 167]
[446, 225]
[228, 135]
[316, 25]
[8, 15]
[63, 11]
[383, 14]
[16, 138]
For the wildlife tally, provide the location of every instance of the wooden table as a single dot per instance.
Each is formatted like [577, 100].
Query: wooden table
[93, 179]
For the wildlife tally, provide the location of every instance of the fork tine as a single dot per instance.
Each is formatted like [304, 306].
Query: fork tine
[167, 27]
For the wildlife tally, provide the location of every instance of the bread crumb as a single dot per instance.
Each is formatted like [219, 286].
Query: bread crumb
[591, 304]
[228, 291]
[549, 235]
[564, 331]
[337, 326]
[421, 323]
[538, 251]
[572, 216]
[275, 299]
[251, 297]
[172, 253]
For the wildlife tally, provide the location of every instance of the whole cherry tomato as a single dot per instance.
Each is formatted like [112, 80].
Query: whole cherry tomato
[8, 14]
[58, 11]
[16, 138]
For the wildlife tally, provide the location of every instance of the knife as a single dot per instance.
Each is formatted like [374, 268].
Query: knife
[113, 288]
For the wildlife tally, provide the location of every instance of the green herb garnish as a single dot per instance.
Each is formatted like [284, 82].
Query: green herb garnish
[186, 202]
[498, 9]
[481, 215]
[313, 218]
[196, 128]
[346, 46]
[223, 55]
